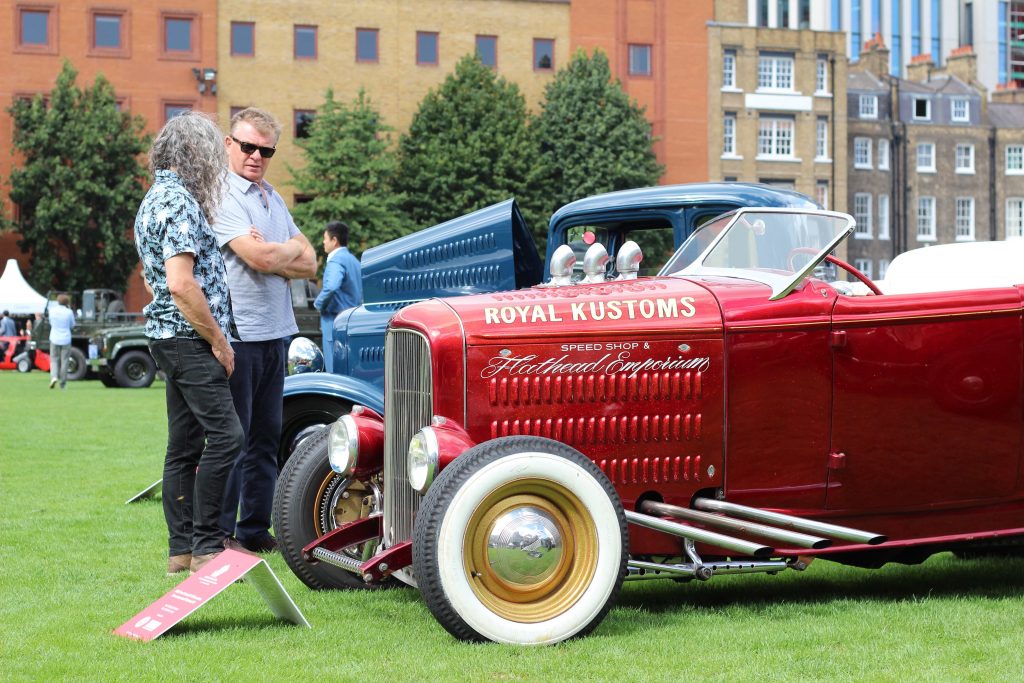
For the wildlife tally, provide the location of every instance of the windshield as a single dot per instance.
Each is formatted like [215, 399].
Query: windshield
[778, 247]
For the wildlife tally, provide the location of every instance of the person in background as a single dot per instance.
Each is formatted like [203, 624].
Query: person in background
[8, 328]
[61, 322]
[342, 285]
[188, 323]
[263, 249]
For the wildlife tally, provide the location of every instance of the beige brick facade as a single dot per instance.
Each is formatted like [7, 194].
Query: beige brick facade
[749, 106]
[277, 81]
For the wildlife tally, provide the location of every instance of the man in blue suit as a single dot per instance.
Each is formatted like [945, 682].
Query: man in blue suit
[342, 285]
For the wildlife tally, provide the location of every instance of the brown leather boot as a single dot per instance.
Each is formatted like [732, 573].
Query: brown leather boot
[177, 564]
[199, 561]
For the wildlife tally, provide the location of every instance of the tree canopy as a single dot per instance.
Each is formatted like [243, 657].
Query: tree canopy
[468, 146]
[592, 137]
[79, 186]
[349, 173]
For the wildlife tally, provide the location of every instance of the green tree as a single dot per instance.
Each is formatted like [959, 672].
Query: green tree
[591, 136]
[349, 172]
[468, 146]
[80, 185]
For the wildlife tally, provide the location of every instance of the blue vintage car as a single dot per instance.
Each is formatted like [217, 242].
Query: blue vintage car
[492, 250]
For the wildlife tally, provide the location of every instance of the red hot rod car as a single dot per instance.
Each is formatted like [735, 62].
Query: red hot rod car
[743, 411]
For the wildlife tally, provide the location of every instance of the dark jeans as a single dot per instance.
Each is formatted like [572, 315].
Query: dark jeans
[199, 410]
[257, 387]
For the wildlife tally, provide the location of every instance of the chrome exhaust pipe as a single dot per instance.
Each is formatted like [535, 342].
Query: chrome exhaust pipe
[771, 533]
[809, 526]
[699, 535]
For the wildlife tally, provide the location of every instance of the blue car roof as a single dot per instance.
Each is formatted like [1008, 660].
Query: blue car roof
[746, 194]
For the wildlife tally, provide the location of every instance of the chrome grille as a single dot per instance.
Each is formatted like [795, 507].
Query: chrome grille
[408, 407]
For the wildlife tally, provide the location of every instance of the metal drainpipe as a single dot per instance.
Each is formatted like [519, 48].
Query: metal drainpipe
[832, 142]
[993, 229]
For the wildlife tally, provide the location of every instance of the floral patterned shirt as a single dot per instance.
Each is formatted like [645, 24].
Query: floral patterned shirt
[171, 222]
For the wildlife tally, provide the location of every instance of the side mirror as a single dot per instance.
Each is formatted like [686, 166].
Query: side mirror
[627, 261]
[595, 263]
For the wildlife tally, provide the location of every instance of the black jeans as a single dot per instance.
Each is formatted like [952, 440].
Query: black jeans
[203, 439]
[257, 387]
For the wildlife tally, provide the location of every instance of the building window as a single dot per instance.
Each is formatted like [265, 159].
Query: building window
[821, 76]
[775, 72]
[864, 266]
[729, 135]
[821, 193]
[366, 45]
[965, 219]
[862, 152]
[883, 154]
[775, 138]
[926, 219]
[304, 42]
[821, 139]
[922, 109]
[639, 60]
[964, 158]
[243, 38]
[1014, 217]
[106, 31]
[172, 109]
[868, 106]
[960, 109]
[487, 50]
[1015, 159]
[729, 70]
[302, 120]
[178, 35]
[34, 28]
[883, 216]
[926, 157]
[543, 54]
[883, 268]
[427, 48]
[862, 214]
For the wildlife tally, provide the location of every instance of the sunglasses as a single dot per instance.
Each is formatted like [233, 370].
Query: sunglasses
[249, 148]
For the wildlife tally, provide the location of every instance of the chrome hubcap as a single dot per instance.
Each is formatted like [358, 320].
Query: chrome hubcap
[524, 546]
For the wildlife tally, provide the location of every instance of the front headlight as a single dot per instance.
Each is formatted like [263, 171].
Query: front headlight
[343, 445]
[423, 459]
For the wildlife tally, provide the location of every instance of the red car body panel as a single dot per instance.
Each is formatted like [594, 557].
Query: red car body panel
[901, 413]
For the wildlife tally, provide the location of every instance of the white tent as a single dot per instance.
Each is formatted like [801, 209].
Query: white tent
[16, 295]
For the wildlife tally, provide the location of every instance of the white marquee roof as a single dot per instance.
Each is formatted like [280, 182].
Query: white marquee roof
[17, 295]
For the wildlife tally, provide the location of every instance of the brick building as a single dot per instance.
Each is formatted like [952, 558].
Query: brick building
[932, 162]
[283, 56]
[146, 50]
[658, 51]
[777, 108]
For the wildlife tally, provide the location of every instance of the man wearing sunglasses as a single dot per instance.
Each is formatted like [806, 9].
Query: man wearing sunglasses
[262, 249]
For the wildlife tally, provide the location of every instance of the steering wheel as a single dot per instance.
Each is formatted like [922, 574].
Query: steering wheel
[838, 263]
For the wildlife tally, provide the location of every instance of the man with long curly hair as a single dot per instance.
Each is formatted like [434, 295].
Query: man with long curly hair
[188, 324]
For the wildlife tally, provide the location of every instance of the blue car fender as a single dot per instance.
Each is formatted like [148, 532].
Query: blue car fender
[343, 387]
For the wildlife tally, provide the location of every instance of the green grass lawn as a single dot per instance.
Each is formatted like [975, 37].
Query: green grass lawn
[76, 562]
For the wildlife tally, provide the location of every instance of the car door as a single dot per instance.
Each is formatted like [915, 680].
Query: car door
[927, 399]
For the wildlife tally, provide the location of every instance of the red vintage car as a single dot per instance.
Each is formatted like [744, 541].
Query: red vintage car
[758, 404]
[15, 354]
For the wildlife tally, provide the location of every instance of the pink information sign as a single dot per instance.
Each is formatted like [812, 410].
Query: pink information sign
[202, 586]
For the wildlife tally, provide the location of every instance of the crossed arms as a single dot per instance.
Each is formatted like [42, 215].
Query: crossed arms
[294, 258]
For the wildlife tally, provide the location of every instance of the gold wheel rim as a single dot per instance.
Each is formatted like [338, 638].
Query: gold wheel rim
[573, 574]
[348, 509]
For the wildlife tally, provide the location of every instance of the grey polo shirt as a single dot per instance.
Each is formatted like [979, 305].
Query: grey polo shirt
[261, 302]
